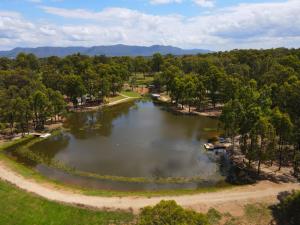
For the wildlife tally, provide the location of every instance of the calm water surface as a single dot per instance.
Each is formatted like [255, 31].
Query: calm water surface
[135, 139]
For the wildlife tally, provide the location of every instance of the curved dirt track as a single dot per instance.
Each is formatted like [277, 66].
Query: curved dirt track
[231, 200]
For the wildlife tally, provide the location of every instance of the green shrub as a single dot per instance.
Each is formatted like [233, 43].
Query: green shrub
[169, 213]
[214, 216]
[287, 212]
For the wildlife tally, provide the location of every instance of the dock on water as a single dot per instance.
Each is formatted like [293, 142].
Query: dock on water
[41, 135]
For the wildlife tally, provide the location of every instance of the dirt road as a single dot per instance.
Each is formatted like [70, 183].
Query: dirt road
[231, 200]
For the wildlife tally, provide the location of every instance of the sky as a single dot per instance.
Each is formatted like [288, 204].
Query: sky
[206, 24]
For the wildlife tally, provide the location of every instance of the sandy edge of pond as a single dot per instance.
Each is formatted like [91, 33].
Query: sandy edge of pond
[232, 201]
[193, 111]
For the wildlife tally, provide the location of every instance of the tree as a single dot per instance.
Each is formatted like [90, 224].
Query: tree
[40, 107]
[104, 87]
[200, 93]
[57, 103]
[157, 61]
[230, 88]
[177, 90]
[168, 75]
[27, 61]
[231, 119]
[116, 84]
[52, 78]
[133, 82]
[140, 64]
[263, 135]
[169, 213]
[23, 114]
[287, 212]
[189, 89]
[214, 81]
[90, 82]
[283, 126]
[9, 106]
[74, 88]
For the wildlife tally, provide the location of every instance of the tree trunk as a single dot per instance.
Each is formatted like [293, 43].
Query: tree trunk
[11, 128]
[233, 142]
[258, 167]
[280, 154]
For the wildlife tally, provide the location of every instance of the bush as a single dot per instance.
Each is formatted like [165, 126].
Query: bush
[214, 216]
[169, 213]
[287, 212]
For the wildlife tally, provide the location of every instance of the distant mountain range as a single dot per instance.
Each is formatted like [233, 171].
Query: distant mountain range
[113, 50]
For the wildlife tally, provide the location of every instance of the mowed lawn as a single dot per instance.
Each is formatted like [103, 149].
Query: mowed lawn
[18, 207]
[131, 94]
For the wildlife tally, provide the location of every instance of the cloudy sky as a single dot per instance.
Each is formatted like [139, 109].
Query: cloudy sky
[208, 24]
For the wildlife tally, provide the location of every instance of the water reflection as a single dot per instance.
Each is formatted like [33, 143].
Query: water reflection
[135, 139]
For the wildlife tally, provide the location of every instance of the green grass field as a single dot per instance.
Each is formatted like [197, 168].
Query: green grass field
[20, 208]
[131, 94]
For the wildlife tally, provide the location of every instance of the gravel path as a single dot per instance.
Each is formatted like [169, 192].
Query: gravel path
[231, 200]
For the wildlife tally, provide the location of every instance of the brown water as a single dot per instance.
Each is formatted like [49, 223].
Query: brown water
[134, 139]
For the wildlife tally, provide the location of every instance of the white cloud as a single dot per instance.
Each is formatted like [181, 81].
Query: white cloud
[205, 3]
[160, 2]
[260, 25]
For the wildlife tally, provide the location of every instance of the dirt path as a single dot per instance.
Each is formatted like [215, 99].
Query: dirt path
[119, 101]
[126, 98]
[231, 200]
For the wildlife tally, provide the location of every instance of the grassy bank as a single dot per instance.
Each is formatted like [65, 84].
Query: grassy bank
[116, 98]
[19, 207]
[131, 94]
[16, 142]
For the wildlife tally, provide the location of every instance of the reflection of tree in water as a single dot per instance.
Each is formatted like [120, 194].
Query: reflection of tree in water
[75, 122]
[190, 126]
[44, 150]
[158, 173]
[51, 146]
[84, 125]
[108, 115]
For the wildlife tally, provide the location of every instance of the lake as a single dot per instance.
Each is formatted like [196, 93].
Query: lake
[134, 139]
